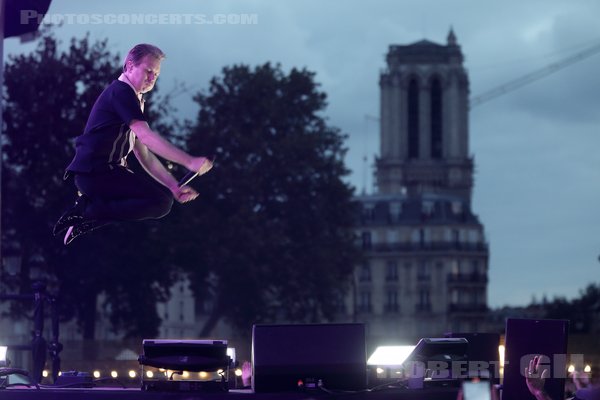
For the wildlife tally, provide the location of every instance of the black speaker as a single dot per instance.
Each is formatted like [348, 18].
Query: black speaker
[288, 357]
[526, 338]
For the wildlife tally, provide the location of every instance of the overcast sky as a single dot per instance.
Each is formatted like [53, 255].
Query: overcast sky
[536, 150]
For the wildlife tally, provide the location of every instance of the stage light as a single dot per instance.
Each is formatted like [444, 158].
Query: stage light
[150, 374]
[114, 374]
[501, 351]
[202, 375]
[238, 372]
[185, 374]
[59, 373]
[45, 373]
[380, 370]
[231, 353]
[96, 374]
[220, 371]
[587, 369]
[132, 374]
[571, 369]
[390, 355]
[3, 360]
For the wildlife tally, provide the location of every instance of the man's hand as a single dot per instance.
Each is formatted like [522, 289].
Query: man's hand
[535, 378]
[200, 165]
[184, 194]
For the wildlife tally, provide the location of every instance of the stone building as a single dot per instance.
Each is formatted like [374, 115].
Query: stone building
[426, 264]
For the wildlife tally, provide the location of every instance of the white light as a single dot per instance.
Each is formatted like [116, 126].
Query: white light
[390, 355]
[587, 369]
[380, 371]
[501, 351]
[150, 374]
[185, 374]
[3, 350]
[96, 374]
[114, 374]
[238, 372]
[231, 354]
[59, 373]
[45, 373]
[202, 374]
[571, 368]
[219, 371]
[132, 374]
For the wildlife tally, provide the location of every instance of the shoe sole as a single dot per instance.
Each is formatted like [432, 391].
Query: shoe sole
[68, 238]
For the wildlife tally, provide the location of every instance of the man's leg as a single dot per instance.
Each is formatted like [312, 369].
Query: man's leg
[117, 195]
[120, 195]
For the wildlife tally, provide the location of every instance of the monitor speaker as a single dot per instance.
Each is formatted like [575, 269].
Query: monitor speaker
[288, 357]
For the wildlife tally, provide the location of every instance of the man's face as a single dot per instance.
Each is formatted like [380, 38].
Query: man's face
[144, 75]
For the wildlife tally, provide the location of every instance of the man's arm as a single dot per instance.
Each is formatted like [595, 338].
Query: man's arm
[157, 170]
[159, 145]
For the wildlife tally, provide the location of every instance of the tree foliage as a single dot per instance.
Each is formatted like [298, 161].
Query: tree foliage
[272, 225]
[583, 312]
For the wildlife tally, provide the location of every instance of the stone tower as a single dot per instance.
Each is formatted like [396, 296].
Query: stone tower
[425, 270]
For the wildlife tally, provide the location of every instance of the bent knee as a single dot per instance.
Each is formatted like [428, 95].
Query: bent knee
[161, 207]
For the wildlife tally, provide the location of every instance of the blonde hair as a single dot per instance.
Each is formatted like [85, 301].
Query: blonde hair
[139, 51]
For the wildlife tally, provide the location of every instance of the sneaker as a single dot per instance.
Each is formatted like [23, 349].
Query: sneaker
[72, 216]
[83, 227]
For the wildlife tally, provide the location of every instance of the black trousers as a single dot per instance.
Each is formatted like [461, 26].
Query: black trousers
[122, 195]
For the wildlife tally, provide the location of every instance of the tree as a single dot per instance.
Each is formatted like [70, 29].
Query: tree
[583, 312]
[48, 96]
[272, 225]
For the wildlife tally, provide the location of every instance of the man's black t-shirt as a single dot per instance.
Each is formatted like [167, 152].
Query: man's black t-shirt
[107, 139]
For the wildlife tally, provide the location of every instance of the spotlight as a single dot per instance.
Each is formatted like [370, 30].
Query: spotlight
[571, 369]
[231, 353]
[114, 374]
[45, 373]
[185, 374]
[3, 360]
[501, 352]
[587, 369]
[96, 374]
[238, 372]
[150, 374]
[132, 374]
[390, 355]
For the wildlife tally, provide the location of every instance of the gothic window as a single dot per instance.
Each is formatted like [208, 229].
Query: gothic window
[436, 119]
[413, 119]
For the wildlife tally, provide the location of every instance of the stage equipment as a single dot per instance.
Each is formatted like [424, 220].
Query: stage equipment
[39, 346]
[179, 357]
[3, 359]
[435, 362]
[526, 338]
[483, 355]
[308, 356]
